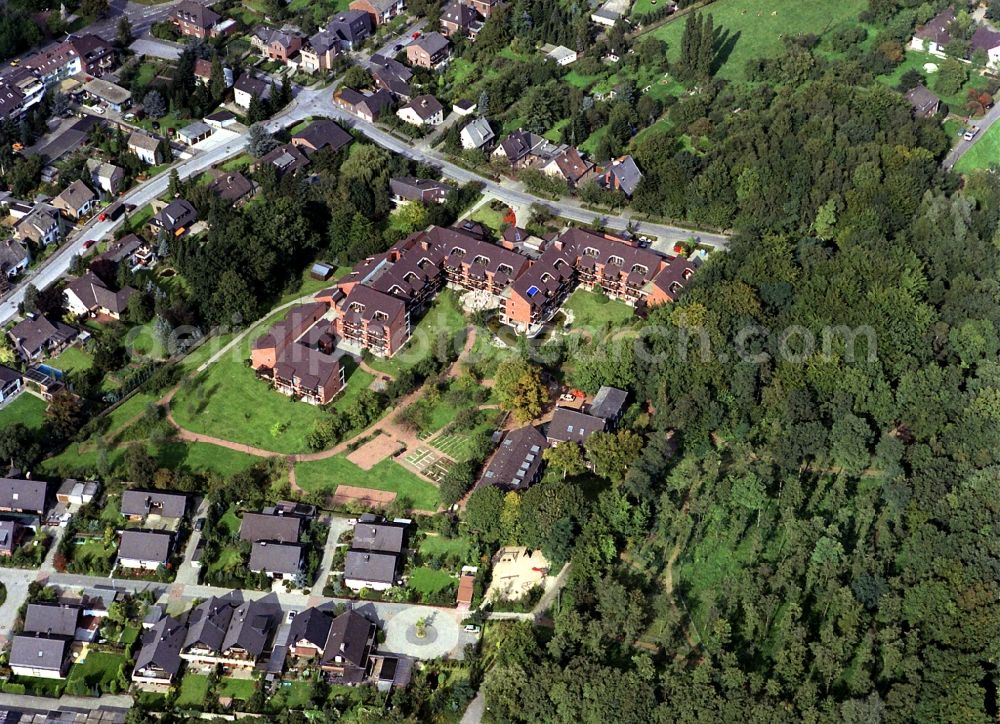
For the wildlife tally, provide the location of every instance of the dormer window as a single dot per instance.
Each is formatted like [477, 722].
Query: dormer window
[457, 251]
[616, 260]
[381, 316]
[481, 260]
[357, 307]
[546, 277]
[639, 269]
[591, 251]
[409, 276]
[506, 269]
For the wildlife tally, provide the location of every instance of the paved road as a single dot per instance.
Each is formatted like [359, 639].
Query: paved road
[962, 147]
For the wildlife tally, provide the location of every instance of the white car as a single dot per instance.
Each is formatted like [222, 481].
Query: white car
[98, 110]
[970, 134]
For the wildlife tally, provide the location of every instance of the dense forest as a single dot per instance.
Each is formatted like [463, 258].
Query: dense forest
[824, 543]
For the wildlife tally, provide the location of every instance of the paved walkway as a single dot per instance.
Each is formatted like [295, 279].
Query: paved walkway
[338, 524]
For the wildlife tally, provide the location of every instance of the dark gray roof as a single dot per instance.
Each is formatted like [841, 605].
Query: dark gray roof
[381, 536]
[231, 186]
[922, 99]
[52, 619]
[176, 214]
[275, 558]
[312, 625]
[12, 254]
[76, 195]
[570, 425]
[608, 402]
[259, 527]
[349, 634]
[208, 623]
[936, 29]
[419, 189]
[253, 86]
[286, 159]
[38, 652]
[375, 567]
[250, 626]
[142, 545]
[432, 42]
[94, 294]
[627, 174]
[161, 646]
[35, 335]
[8, 375]
[8, 533]
[153, 502]
[322, 134]
[518, 460]
[24, 495]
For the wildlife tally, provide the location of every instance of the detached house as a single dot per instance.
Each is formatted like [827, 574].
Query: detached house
[248, 87]
[22, 496]
[422, 110]
[203, 73]
[934, 35]
[425, 191]
[380, 11]
[97, 56]
[622, 175]
[14, 258]
[175, 218]
[144, 550]
[322, 134]
[281, 45]
[274, 539]
[286, 159]
[87, 294]
[391, 75]
[232, 186]
[925, 104]
[341, 646]
[138, 505]
[159, 659]
[40, 656]
[146, 147]
[105, 176]
[369, 107]
[459, 19]
[41, 225]
[430, 51]
[477, 134]
[36, 336]
[568, 165]
[517, 462]
[76, 200]
[195, 20]
[11, 383]
[375, 558]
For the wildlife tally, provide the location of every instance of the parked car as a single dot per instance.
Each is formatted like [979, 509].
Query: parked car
[415, 35]
[199, 524]
[472, 628]
[89, 243]
[98, 110]
[970, 133]
[398, 47]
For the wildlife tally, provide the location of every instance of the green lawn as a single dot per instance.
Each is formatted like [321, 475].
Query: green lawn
[754, 29]
[203, 457]
[26, 409]
[237, 688]
[194, 689]
[228, 401]
[230, 521]
[592, 310]
[98, 670]
[229, 560]
[488, 217]
[444, 315]
[386, 475]
[915, 60]
[71, 359]
[984, 153]
[292, 695]
[429, 581]
[437, 545]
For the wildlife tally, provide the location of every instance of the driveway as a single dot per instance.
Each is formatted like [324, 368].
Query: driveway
[441, 637]
[962, 147]
[186, 572]
[16, 581]
[338, 525]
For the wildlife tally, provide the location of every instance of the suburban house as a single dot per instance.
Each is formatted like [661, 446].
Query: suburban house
[559, 53]
[130, 249]
[934, 35]
[477, 134]
[37, 336]
[425, 191]
[568, 165]
[14, 258]
[280, 561]
[159, 660]
[232, 186]
[483, 7]
[248, 87]
[97, 56]
[87, 294]
[380, 11]
[40, 656]
[143, 550]
[459, 19]
[369, 107]
[423, 110]
[203, 73]
[391, 75]
[42, 225]
[925, 104]
[195, 20]
[11, 383]
[281, 45]
[517, 462]
[175, 218]
[22, 496]
[341, 646]
[377, 553]
[430, 51]
[54, 619]
[76, 200]
[319, 51]
[28, 85]
[523, 149]
[345, 31]
[297, 355]
[286, 159]
[622, 175]
[105, 176]
[77, 492]
[228, 633]
[138, 505]
[257, 527]
[987, 40]
[146, 147]
[609, 405]
[321, 134]
[55, 65]
[11, 102]
[569, 425]
[112, 95]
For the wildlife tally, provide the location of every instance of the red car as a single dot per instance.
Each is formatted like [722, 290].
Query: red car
[415, 35]
[103, 216]
[89, 243]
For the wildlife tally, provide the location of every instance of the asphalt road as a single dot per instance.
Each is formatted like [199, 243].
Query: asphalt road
[962, 147]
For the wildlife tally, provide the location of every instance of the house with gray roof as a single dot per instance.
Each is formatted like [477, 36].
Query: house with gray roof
[609, 404]
[925, 104]
[42, 225]
[477, 134]
[22, 496]
[87, 294]
[230, 633]
[175, 217]
[517, 462]
[11, 382]
[14, 258]
[421, 190]
[36, 336]
[105, 176]
[372, 570]
[39, 656]
[9, 534]
[146, 147]
[159, 660]
[52, 619]
[232, 186]
[340, 645]
[320, 134]
[286, 159]
[275, 528]
[136, 505]
[144, 550]
[622, 175]
[572, 426]
[280, 561]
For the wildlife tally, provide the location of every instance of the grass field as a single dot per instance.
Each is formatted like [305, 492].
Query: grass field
[983, 153]
[194, 689]
[291, 695]
[591, 310]
[237, 688]
[386, 475]
[26, 409]
[429, 581]
[444, 315]
[754, 28]
[436, 545]
[98, 670]
[71, 359]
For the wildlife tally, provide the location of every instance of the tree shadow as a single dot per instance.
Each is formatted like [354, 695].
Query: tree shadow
[724, 43]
